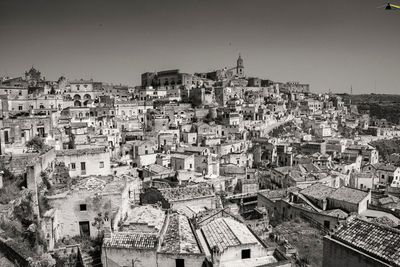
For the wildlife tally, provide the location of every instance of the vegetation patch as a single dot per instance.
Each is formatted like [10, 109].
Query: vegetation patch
[305, 238]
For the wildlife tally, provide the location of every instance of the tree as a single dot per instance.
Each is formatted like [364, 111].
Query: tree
[99, 221]
[35, 144]
[238, 187]
[52, 91]
[46, 260]
[11, 186]
[23, 209]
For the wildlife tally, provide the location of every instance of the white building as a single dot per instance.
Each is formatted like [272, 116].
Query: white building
[86, 162]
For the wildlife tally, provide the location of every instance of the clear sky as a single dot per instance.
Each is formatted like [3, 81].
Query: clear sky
[331, 44]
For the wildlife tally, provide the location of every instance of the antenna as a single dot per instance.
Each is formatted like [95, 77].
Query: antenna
[351, 89]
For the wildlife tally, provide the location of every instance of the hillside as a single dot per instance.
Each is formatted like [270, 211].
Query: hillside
[381, 106]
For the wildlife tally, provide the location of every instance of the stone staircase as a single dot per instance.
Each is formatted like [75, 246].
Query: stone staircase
[92, 259]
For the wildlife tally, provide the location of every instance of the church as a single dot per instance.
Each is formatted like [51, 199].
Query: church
[227, 73]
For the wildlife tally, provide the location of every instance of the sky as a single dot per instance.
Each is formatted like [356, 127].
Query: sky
[329, 44]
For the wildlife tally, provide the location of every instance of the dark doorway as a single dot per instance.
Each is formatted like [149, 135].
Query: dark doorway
[6, 137]
[83, 168]
[84, 228]
[41, 131]
[179, 262]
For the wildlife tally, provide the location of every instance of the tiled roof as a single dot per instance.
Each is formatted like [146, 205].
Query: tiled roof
[389, 199]
[227, 232]
[131, 240]
[348, 194]
[284, 170]
[195, 148]
[70, 152]
[337, 213]
[385, 167]
[309, 167]
[159, 169]
[317, 191]
[179, 237]
[301, 177]
[279, 193]
[373, 239]
[363, 175]
[144, 215]
[180, 156]
[189, 192]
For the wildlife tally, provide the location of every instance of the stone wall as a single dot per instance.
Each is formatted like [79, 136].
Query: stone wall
[12, 255]
[116, 257]
[169, 260]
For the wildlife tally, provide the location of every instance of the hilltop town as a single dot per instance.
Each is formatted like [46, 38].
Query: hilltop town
[213, 168]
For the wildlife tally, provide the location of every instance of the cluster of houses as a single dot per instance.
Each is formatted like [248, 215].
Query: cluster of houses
[185, 169]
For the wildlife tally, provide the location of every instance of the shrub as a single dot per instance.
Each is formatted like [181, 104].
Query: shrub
[35, 144]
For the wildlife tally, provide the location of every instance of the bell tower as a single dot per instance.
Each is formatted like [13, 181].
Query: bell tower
[239, 66]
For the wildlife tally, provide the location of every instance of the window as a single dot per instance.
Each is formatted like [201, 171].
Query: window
[6, 137]
[101, 164]
[73, 166]
[191, 166]
[179, 262]
[19, 107]
[246, 253]
[82, 207]
[83, 166]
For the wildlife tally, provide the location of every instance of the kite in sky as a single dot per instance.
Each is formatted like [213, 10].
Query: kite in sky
[390, 6]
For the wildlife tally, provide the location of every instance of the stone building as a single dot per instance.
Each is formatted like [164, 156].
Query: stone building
[172, 243]
[199, 196]
[77, 207]
[228, 242]
[84, 91]
[182, 162]
[15, 132]
[86, 162]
